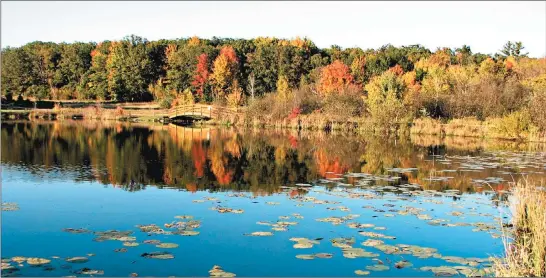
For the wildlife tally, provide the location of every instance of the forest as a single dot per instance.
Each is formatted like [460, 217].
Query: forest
[288, 78]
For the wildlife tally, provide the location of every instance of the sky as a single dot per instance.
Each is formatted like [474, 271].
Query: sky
[484, 26]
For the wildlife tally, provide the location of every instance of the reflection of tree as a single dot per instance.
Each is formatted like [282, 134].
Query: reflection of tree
[132, 156]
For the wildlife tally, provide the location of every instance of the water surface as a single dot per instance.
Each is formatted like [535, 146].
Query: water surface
[448, 195]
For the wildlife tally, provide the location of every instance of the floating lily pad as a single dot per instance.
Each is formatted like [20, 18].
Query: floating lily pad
[19, 259]
[162, 255]
[88, 271]
[376, 235]
[130, 244]
[323, 255]
[377, 267]
[167, 245]
[372, 242]
[10, 206]
[184, 217]
[77, 260]
[303, 243]
[260, 234]
[152, 241]
[402, 264]
[112, 235]
[187, 233]
[353, 253]
[6, 267]
[37, 261]
[305, 257]
[441, 270]
[361, 272]
[127, 238]
[76, 231]
[217, 271]
[120, 250]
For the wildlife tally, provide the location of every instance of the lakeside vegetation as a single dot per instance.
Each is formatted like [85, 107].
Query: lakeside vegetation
[526, 247]
[293, 83]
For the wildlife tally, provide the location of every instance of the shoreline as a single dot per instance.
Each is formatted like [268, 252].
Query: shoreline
[456, 128]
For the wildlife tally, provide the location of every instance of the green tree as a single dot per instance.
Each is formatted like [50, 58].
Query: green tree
[514, 49]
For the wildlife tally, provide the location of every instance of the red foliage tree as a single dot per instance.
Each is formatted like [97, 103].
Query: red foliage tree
[201, 74]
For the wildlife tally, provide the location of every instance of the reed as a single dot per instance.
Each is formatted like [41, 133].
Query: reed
[525, 246]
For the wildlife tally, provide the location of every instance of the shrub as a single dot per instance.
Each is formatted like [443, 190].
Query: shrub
[307, 100]
[515, 125]
[183, 98]
[342, 107]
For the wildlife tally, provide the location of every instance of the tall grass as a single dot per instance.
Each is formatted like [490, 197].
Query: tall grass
[525, 250]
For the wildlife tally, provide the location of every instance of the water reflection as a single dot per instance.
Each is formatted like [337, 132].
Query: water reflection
[133, 156]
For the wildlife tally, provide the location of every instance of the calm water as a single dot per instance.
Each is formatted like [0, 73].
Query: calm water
[448, 195]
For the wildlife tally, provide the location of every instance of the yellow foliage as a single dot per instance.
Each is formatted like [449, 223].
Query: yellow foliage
[283, 89]
[536, 84]
[221, 75]
[236, 97]
[194, 41]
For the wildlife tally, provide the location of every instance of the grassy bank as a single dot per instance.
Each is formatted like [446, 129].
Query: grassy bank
[526, 248]
[516, 126]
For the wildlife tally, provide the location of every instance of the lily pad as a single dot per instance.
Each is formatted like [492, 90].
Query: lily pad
[76, 231]
[77, 260]
[184, 217]
[187, 233]
[372, 242]
[37, 261]
[361, 272]
[324, 255]
[402, 264]
[130, 244]
[303, 243]
[120, 250]
[88, 271]
[260, 234]
[19, 259]
[377, 267]
[305, 257]
[161, 255]
[10, 206]
[167, 245]
[353, 253]
[152, 241]
[217, 271]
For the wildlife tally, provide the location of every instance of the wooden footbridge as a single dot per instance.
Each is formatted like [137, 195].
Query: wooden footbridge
[201, 112]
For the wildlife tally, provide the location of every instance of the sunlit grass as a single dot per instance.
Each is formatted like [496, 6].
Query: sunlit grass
[525, 248]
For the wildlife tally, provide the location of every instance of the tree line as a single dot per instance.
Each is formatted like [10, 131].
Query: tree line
[385, 83]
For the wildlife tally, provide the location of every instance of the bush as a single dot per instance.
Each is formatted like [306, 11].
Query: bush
[516, 125]
[342, 107]
[307, 100]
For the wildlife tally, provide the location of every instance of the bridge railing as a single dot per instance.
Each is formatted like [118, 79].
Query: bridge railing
[204, 110]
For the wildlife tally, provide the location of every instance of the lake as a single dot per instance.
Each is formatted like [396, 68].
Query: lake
[116, 199]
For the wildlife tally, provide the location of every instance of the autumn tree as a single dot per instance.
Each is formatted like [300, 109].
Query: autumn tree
[385, 95]
[224, 72]
[334, 78]
[283, 89]
[201, 76]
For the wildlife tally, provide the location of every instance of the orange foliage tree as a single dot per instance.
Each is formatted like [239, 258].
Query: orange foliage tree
[334, 78]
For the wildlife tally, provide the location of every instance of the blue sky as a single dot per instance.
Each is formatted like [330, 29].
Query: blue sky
[485, 26]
